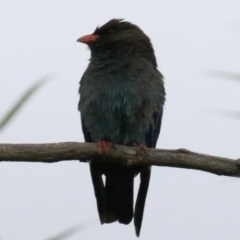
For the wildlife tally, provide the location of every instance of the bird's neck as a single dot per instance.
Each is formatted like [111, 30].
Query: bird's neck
[121, 55]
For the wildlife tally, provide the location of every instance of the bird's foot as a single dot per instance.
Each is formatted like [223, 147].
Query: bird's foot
[141, 149]
[103, 147]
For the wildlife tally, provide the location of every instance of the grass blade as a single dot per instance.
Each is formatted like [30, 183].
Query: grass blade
[225, 75]
[21, 101]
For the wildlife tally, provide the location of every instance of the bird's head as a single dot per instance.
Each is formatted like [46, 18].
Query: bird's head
[118, 38]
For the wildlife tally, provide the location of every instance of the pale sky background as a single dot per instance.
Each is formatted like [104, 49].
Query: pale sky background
[190, 38]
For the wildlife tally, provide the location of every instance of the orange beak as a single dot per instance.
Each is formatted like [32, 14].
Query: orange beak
[88, 38]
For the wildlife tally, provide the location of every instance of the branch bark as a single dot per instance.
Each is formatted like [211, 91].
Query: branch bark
[180, 158]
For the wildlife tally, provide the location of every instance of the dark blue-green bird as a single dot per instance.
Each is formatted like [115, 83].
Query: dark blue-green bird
[121, 102]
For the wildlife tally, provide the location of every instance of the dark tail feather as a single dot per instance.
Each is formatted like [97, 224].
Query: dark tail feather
[141, 198]
[115, 199]
[119, 193]
[99, 190]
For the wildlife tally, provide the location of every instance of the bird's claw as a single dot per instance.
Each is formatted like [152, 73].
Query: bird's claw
[141, 149]
[103, 147]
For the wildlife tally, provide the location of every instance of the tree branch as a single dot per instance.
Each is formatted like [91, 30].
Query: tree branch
[181, 158]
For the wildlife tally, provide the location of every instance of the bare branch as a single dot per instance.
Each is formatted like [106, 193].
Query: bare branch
[181, 158]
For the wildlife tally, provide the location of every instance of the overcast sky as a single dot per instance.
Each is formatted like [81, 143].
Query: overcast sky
[190, 39]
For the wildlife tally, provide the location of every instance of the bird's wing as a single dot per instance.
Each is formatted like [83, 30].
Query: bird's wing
[158, 123]
[96, 173]
[86, 133]
[154, 131]
[95, 167]
[145, 171]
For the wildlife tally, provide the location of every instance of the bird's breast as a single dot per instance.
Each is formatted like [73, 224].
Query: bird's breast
[117, 104]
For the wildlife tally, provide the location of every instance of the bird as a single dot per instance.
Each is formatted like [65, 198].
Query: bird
[122, 96]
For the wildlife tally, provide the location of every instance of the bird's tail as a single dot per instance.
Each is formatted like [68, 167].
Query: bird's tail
[115, 197]
[119, 194]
